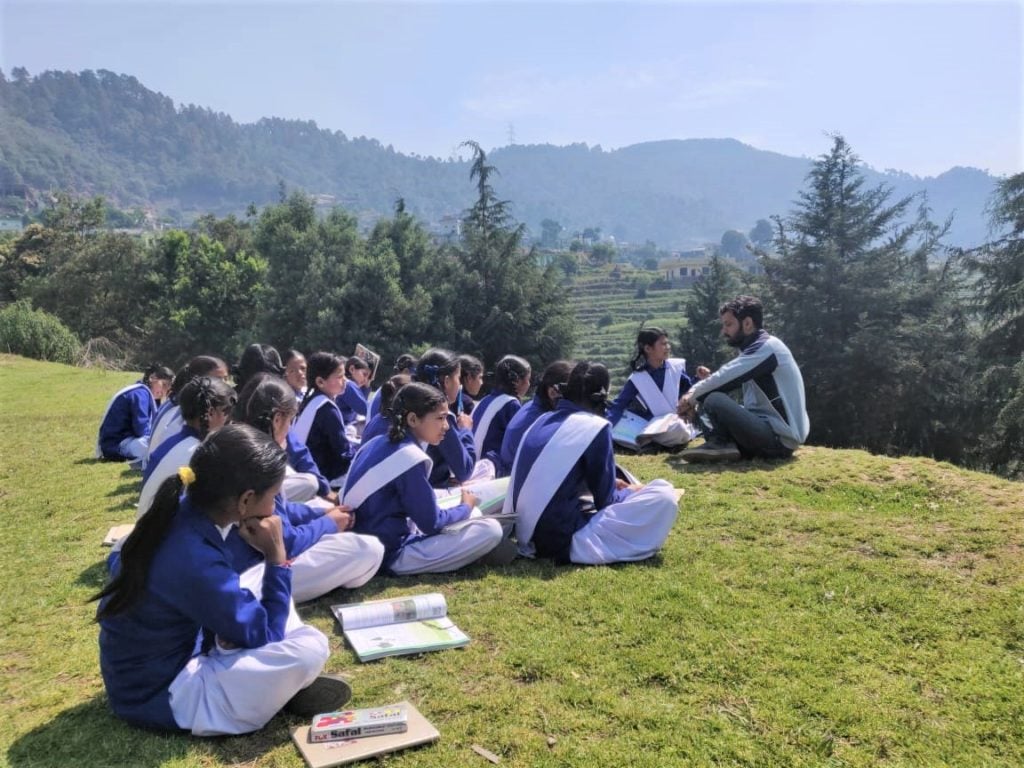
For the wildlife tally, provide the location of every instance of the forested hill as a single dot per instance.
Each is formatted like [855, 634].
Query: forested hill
[104, 133]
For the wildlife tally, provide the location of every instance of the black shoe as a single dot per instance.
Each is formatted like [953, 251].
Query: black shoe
[328, 693]
[712, 452]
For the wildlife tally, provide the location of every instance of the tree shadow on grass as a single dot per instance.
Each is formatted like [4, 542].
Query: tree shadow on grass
[90, 735]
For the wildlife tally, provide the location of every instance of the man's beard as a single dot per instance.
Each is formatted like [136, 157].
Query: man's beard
[735, 341]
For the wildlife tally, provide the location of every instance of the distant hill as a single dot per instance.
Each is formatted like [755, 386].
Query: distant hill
[105, 133]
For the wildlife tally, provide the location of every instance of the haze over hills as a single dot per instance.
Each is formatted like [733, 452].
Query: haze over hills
[104, 133]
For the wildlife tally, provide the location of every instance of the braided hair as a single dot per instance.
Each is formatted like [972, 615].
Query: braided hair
[417, 398]
[201, 396]
[588, 387]
[435, 365]
[645, 338]
[264, 396]
[509, 371]
[555, 375]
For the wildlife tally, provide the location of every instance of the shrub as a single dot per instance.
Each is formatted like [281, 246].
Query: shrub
[36, 334]
[605, 320]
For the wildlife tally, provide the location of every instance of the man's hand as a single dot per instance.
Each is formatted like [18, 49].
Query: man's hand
[703, 372]
[686, 408]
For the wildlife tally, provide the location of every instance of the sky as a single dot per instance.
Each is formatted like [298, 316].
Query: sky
[914, 86]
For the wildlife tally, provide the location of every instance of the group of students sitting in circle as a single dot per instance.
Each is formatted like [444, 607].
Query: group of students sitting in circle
[299, 480]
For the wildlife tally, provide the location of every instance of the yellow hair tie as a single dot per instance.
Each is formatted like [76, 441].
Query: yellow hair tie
[186, 475]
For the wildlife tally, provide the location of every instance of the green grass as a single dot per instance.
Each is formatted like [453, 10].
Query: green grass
[837, 609]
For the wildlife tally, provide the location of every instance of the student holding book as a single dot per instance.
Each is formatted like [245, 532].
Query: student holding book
[188, 648]
[455, 458]
[549, 392]
[656, 382]
[206, 406]
[320, 424]
[127, 423]
[493, 414]
[168, 419]
[390, 491]
[564, 492]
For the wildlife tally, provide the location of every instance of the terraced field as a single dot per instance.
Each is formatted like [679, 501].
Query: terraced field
[596, 293]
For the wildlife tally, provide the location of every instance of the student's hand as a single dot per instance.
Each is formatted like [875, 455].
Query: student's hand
[344, 518]
[332, 497]
[703, 372]
[469, 498]
[464, 421]
[686, 408]
[264, 534]
[620, 484]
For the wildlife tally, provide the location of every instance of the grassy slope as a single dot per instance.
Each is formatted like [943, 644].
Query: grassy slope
[838, 609]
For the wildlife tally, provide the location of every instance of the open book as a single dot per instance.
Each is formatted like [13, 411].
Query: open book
[635, 432]
[398, 626]
[330, 753]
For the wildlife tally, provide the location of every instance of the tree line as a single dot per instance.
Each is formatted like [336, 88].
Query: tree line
[906, 345]
[286, 276]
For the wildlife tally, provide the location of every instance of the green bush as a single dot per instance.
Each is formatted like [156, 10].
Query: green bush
[605, 320]
[33, 333]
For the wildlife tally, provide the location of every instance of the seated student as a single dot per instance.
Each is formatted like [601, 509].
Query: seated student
[549, 392]
[455, 458]
[325, 555]
[655, 384]
[379, 424]
[256, 358]
[404, 364]
[568, 504]
[295, 371]
[303, 480]
[188, 648]
[320, 425]
[205, 407]
[493, 414]
[353, 398]
[471, 374]
[168, 418]
[389, 489]
[127, 423]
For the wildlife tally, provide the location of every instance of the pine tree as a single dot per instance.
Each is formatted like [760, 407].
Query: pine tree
[853, 293]
[701, 338]
[504, 302]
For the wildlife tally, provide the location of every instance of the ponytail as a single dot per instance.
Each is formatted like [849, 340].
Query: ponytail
[231, 461]
[417, 398]
[588, 387]
[125, 589]
[555, 375]
[509, 371]
[434, 366]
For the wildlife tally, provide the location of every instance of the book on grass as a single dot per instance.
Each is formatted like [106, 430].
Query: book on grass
[359, 723]
[117, 533]
[398, 626]
[635, 432]
[326, 754]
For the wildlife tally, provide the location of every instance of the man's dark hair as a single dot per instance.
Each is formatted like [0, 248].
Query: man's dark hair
[745, 306]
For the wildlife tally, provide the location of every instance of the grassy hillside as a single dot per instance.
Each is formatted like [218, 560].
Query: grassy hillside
[596, 292]
[836, 609]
